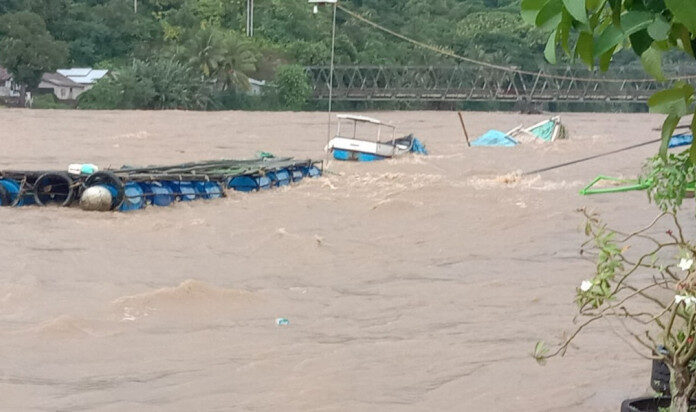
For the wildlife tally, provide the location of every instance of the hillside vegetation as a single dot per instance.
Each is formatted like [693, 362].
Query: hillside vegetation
[195, 54]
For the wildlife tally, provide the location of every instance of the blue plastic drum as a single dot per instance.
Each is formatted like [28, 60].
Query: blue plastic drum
[264, 182]
[243, 184]
[133, 198]
[185, 191]
[296, 175]
[283, 177]
[208, 190]
[157, 193]
[12, 188]
[311, 171]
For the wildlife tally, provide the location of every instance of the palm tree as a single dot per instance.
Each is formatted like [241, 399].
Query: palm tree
[239, 60]
[221, 56]
[205, 51]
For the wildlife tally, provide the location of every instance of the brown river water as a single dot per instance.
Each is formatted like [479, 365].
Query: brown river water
[420, 283]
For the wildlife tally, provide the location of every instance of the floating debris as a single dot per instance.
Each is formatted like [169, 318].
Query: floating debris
[546, 131]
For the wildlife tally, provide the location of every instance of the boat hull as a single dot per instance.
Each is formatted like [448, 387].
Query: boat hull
[365, 151]
[341, 154]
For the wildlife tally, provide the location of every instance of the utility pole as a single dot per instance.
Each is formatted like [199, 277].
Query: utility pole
[334, 3]
[250, 18]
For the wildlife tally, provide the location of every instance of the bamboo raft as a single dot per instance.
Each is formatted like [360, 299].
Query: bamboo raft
[132, 188]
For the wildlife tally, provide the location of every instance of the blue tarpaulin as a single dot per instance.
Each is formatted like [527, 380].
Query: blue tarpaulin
[418, 147]
[681, 140]
[494, 138]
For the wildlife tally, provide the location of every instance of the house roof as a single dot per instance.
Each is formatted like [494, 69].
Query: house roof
[58, 79]
[83, 75]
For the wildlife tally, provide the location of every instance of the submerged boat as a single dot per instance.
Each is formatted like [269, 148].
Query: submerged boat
[349, 146]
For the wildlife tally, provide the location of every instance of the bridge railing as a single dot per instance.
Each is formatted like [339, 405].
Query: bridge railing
[475, 83]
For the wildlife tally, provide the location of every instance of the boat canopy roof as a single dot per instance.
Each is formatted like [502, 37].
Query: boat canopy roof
[364, 119]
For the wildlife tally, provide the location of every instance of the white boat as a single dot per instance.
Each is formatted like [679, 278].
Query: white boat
[346, 145]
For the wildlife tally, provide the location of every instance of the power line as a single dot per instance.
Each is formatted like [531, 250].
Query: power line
[445, 52]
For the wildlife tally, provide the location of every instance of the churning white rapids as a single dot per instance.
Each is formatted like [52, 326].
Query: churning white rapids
[420, 283]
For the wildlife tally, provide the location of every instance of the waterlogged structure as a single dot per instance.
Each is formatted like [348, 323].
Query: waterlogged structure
[132, 188]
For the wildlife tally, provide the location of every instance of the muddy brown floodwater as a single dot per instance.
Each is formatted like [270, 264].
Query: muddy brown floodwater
[415, 284]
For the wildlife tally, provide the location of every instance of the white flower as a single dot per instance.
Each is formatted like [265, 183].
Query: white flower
[686, 264]
[688, 300]
[585, 285]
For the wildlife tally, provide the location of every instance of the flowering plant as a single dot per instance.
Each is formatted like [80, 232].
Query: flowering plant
[658, 309]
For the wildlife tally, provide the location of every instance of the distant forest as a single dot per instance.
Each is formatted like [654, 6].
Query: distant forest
[195, 53]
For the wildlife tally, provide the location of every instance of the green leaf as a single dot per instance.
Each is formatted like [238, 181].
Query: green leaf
[563, 30]
[605, 59]
[608, 40]
[684, 12]
[540, 352]
[576, 8]
[584, 48]
[550, 50]
[671, 101]
[634, 21]
[659, 29]
[594, 4]
[652, 62]
[530, 9]
[550, 15]
[640, 41]
[615, 11]
[668, 127]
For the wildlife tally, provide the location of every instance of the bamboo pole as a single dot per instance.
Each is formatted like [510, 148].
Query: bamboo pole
[466, 135]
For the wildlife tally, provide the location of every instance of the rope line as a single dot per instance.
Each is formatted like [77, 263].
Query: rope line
[584, 159]
[445, 52]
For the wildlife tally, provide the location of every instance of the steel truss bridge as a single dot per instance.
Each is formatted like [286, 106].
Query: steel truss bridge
[476, 83]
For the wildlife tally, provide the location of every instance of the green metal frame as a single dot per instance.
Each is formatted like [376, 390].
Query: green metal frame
[630, 185]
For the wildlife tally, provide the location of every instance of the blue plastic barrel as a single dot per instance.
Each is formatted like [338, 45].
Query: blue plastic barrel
[283, 177]
[243, 184]
[264, 182]
[208, 190]
[311, 171]
[157, 193]
[12, 187]
[133, 197]
[296, 175]
[185, 190]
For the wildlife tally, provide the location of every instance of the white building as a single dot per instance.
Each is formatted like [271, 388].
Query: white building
[256, 87]
[63, 88]
[68, 84]
[7, 88]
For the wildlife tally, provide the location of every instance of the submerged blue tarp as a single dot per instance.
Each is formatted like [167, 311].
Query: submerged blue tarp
[494, 138]
[680, 140]
[418, 147]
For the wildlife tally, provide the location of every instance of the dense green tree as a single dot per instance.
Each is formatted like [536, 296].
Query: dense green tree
[28, 49]
[155, 84]
[292, 86]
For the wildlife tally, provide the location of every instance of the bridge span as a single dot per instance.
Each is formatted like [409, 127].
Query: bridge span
[476, 83]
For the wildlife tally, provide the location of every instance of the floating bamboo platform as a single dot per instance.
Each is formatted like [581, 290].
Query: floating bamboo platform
[132, 188]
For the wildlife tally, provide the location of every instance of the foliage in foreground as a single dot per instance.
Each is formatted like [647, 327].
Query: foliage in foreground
[662, 308]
